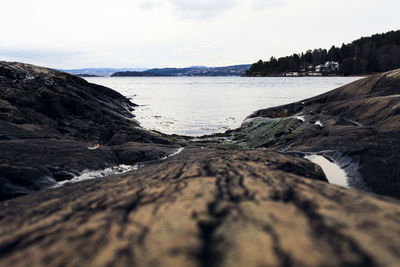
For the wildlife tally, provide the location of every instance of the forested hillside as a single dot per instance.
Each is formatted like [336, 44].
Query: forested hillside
[378, 53]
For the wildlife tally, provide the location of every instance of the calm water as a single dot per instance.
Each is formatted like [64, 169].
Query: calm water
[204, 105]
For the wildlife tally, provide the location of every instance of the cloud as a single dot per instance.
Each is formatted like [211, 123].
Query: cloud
[126, 33]
[201, 9]
[263, 4]
[190, 9]
[147, 5]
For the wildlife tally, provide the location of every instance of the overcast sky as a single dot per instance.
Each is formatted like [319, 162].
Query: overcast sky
[161, 33]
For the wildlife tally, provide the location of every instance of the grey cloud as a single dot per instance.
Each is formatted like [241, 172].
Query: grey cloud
[201, 9]
[263, 4]
[147, 5]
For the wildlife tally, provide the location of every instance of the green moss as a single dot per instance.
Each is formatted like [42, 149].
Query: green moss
[293, 134]
[260, 132]
[257, 132]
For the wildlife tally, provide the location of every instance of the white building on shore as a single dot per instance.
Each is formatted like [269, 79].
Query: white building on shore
[328, 67]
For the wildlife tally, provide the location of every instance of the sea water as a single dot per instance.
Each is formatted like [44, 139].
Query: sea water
[196, 106]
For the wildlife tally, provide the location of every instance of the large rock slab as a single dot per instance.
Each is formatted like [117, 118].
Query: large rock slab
[357, 125]
[37, 102]
[203, 207]
[50, 121]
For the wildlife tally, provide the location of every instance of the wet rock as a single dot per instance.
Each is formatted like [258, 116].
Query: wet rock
[25, 163]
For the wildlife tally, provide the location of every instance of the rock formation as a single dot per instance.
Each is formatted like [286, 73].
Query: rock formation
[203, 207]
[50, 119]
[224, 200]
[357, 125]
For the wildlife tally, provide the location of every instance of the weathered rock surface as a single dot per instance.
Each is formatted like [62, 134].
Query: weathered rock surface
[357, 125]
[49, 120]
[203, 207]
[30, 166]
[41, 103]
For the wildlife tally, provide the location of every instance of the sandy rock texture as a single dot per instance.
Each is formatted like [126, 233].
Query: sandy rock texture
[203, 207]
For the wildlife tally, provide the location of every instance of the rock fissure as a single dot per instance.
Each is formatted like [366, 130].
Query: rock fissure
[341, 244]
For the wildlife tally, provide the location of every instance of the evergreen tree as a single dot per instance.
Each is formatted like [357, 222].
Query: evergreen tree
[380, 52]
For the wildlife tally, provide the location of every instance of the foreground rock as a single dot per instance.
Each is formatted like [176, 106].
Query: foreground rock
[203, 207]
[357, 125]
[50, 123]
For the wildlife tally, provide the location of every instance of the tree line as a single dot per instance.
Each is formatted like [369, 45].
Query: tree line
[377, 53]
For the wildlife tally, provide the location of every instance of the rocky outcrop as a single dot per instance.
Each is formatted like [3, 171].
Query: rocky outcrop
[225, 200]
[357, 125]
[203, 207]
[41, 103]
[50, 120]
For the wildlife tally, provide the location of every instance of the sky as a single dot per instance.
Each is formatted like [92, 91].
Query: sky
[180, 33]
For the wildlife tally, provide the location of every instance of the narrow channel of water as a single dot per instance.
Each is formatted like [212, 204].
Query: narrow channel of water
[93, 174]
[333, 172]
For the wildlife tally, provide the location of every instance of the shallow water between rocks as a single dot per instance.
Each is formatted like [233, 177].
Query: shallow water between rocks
[333, 172]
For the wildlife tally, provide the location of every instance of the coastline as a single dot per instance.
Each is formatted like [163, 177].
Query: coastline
[275, 125]
[237, 198]
[320, 76]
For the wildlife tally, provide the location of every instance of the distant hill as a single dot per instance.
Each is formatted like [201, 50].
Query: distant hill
[197, 67]
[236, 70]
[93, 72]
[86, 75]
[377, 53]
[135, 74]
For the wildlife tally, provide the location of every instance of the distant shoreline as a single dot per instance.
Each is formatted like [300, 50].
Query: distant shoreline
[312, 76]
[306, 76]
[276, 76]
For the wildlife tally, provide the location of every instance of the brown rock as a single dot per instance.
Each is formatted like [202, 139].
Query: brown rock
[203, 207]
